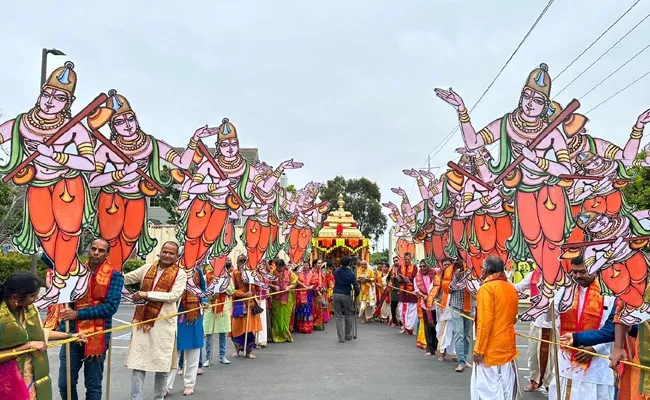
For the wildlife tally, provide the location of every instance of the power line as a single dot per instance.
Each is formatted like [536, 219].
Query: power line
[615, 71]
[598, 38]
[602, 55]
[618, 92]
[437, 149]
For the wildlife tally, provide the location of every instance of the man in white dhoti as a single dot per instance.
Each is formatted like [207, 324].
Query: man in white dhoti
[494, 376]
[153, 343]
[445, 325]
[407, 299]
[581, 375]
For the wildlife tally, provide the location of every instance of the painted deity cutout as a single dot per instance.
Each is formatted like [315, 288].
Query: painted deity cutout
[57, 204]
[121, 203]
[542, 218]
[222, 184]
[545, 200]
[305, 217]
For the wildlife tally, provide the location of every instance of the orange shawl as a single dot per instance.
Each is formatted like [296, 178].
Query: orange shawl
[151, 310]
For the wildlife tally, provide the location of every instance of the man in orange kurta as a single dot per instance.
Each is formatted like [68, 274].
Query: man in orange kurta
[245, 318]
[495, 350]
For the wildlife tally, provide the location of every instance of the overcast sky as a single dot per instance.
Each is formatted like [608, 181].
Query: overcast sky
[346, 87]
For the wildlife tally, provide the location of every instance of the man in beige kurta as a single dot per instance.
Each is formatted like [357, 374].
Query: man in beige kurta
[153, 343]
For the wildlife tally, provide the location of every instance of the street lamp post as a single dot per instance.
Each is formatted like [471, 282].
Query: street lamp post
[45, 52]
[54, 52]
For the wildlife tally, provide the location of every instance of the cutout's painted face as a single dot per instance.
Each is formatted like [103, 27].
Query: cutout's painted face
[53, 101]
[594, 163]
[532, 103]
[229, 147]
[126, 124]
[599, 224]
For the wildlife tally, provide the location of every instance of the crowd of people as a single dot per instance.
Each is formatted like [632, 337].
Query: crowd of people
[428, 302]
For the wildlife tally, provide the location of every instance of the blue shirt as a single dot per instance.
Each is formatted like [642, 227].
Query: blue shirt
[104, 311]
[344, 280]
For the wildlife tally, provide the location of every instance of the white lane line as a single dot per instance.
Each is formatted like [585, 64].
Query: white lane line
[121, 321]
[122, 337]
[523, 369]
[522, 345]
[125, 347]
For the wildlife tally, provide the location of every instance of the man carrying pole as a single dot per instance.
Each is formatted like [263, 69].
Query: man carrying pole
[92, 313]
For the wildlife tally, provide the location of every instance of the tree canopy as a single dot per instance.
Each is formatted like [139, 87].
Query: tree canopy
[637, 192]
[362, 198]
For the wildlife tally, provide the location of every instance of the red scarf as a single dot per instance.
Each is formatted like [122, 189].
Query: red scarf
[592, 314]
[95, 295]
[407, 271]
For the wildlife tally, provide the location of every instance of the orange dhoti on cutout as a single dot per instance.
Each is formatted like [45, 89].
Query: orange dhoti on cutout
[577, 235]
[492, 231]
[610, 204]
[542, 219]
[298, 241]
[256, 236]
[428, 246]
[627, 280]
[439, 240]
[56, 214]
[205, 223]
[120, 222]
[458, 235]
[403, 247]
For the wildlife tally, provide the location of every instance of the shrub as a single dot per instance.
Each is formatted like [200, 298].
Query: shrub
[11, 262]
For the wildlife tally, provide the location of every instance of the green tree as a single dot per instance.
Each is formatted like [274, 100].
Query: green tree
[12, 199]
[169, 201]
[637, 192]
[291, 189]
[378, 257]
[362, 198]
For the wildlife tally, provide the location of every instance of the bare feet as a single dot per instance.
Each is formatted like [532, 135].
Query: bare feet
[531, 387]
[251, 356]
[460, 368]
[188, 391]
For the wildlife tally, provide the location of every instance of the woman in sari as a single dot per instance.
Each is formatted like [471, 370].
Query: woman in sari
[329, 289]
[304, 298]
[282, 304]
[317, 298]
[25, 376]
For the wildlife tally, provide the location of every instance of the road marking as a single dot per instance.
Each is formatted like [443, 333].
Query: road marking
[119, 347]
[126, 336]
[121, 321]
[523, 369]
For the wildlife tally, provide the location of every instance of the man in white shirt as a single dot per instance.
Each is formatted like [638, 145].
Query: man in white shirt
[540, 357]
[581, 375]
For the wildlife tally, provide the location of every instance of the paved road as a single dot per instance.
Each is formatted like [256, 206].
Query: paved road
[380, 364]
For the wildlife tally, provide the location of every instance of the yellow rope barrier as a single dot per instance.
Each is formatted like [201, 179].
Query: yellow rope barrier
[643, 367]
[127, 326]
